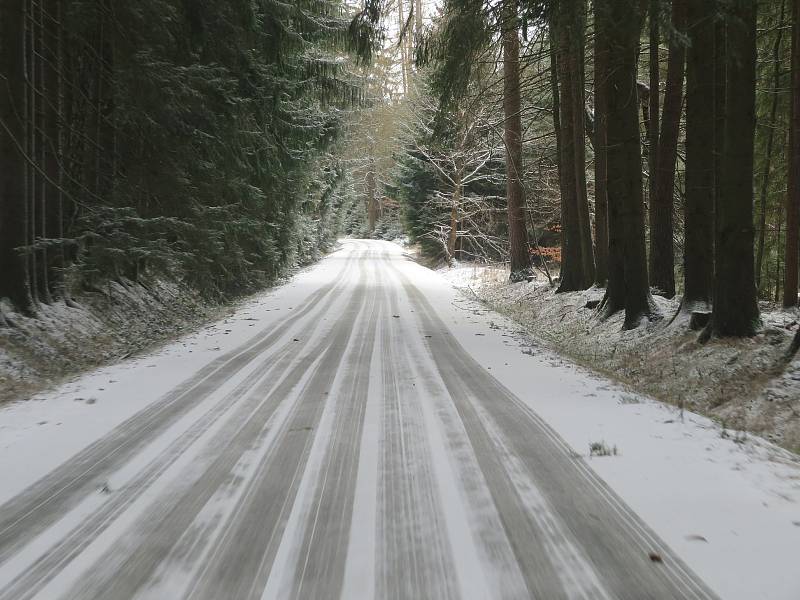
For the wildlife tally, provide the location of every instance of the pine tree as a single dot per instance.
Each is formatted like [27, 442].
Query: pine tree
[567, 28]
[14, 282]
[735, 311]
[662, 263]
[627, 277]
[793, 195]
[512, 105]
[601, 92]
[698, 260]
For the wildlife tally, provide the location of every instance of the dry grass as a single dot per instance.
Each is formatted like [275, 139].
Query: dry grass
[122, 320]
[744, 384]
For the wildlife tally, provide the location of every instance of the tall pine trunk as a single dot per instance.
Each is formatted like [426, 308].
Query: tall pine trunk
[698, 261]
[763, 195]
[662, 253]
[600, 150]
[372, 198]
[577, 268]
[571, 277]
[652, 118]
[53, 138]
[627, 277]
[735, 310]
[512, 105]
[13, 226]
[793, 197]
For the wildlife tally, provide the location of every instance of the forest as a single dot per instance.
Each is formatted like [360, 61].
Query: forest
[655, 143]
[648, 147]
[175, 138]
[367, 299]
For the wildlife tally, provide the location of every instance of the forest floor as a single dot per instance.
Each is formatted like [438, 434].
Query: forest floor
[744, 385]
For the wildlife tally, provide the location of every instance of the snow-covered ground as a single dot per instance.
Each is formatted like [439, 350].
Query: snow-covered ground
[99, 327]
[728, 504]
[52, 426]
[744, 384]
[729, 507]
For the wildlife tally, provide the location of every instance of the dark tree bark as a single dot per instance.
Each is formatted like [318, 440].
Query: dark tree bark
[563, 184]
[653, 99]
[577, 30]
[600, 151]
[793, 197]
[13, 226]
[627, 276]
[698, 262]
[795, 345]
[762, 204]
[735, 312]
[577, 266]
[40, 124]
[372, 198]
[512, 105]
[53, 143]
[31, 138]
[662, 252]
[720, 83]
[452, 237]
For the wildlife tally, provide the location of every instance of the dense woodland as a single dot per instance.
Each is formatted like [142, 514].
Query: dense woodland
[652, 144]
[646, 146]
[179, 138]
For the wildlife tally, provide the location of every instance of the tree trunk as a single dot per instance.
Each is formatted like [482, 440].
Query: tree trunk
[372, 200]
[735, 310]
[13, 226]
[698, 261]
[44, 155]
[453, 234]
[653, 100]
[53, 136]
[793, 197]
[600, 151]
[762, 205]
[517, 231]
[662, 253]
[401, 21]
[571, 276]
[33, 180]
[795, 345]
[577, 266]
[577, 29]
[627, 277]
[563, 184]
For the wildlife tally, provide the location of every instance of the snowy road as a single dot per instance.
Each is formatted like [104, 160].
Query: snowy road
[352, 448]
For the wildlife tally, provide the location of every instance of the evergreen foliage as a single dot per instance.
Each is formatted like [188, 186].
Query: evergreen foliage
[195, 139]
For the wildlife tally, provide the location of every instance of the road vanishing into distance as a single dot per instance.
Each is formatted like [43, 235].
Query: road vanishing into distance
[353, 449]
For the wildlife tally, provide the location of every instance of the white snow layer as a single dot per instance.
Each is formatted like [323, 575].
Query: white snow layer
[731, 510]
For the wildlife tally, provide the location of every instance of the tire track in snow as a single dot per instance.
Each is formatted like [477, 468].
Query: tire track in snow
[255, 387]
[366, 461]
[615, 542]
[310, 561]
[39, 506]
[136, 557]
[414, 558]
[496, 557]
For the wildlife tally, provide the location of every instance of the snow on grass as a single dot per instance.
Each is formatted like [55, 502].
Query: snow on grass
[741, 383]
[727, 502]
